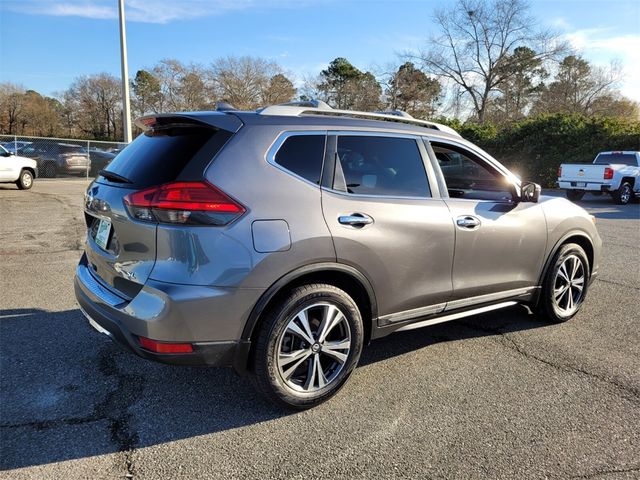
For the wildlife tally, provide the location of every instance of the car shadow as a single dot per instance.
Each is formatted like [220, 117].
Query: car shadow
[69, 392]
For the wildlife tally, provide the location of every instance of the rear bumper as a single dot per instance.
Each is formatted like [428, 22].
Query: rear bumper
[178, 314]
[588, 186]
[73, 169]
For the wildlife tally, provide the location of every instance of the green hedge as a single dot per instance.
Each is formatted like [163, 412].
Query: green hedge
[535, 147]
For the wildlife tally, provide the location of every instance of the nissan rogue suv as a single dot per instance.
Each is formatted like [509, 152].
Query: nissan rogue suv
[282, 241]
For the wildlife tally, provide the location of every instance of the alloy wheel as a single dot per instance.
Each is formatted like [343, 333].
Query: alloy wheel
[568, 290]
[314, 347]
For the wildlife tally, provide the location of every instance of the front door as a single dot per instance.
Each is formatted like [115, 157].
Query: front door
[385, 221]
[500, 243]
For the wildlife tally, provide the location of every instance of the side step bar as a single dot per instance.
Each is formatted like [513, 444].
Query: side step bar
[456, 316]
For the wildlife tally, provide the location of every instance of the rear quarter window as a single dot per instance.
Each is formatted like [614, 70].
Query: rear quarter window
[302, 155]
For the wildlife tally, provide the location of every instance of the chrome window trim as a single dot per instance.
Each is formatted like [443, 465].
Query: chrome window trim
[272, 151]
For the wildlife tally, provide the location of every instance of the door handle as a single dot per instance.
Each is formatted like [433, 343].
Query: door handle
[357, 220]
[468, 222]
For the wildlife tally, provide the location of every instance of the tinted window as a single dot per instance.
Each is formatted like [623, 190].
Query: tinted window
[69, 149]
[157, 157]
[467, 176]
[387, 166]
[621, 158]
[302, 155]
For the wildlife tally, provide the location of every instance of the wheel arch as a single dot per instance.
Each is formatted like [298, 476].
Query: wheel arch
[578, 237]
[630, 180]
[345, 277]
[30, 170]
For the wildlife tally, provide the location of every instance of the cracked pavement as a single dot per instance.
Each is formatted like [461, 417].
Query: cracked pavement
[500, 395]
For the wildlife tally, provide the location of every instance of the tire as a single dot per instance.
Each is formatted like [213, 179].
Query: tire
[624, 194]
[553, 303]
[49, 170]
[25, 181]
[298, 383]
[575, 195]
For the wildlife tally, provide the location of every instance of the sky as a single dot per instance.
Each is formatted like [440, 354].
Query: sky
[45, 44]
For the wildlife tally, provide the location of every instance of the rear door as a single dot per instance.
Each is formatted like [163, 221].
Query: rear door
[500, 244]
[120, 250]
[387, 220]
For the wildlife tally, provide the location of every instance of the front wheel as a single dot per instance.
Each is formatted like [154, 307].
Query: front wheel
[308, 346]
[565, 284]
[25, 181]
[575, 195]
[624, 194]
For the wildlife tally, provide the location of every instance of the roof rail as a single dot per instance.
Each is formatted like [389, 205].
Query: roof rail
[318, 107]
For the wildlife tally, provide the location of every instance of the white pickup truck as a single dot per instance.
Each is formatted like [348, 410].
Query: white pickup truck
[18, 170]
[616, 173]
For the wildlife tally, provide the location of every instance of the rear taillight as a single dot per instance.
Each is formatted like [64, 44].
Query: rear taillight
[185, 203]
[560, 171]
[608, 173]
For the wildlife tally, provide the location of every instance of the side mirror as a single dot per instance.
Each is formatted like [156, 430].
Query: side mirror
[530, 192]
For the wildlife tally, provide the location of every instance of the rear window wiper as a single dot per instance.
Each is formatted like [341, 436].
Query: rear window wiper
[114, 177]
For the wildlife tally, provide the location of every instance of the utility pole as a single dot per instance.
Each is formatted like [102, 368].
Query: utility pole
[126, 107]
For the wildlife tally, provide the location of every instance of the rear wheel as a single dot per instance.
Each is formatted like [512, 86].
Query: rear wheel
[565, 284]
[25, 181]
[575, 195]
[624, 194]
[309, 345]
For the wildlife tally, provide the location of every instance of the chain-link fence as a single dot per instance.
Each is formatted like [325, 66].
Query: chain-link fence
[63, 157]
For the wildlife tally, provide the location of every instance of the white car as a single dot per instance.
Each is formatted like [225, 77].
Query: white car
[616, 173]
[18, 170]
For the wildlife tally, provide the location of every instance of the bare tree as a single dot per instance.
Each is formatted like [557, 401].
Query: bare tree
[249, 82]
[11, 107]
[476, 42]
[96, 100]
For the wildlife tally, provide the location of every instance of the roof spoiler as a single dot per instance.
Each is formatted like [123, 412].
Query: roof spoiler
[219, 120]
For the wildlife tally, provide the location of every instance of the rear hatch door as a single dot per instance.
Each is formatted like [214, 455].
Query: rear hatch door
[121, 251]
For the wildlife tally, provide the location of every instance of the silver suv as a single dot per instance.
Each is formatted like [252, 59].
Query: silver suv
[282, 241]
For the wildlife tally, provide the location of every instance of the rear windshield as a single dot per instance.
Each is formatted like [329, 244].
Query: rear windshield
[620, 158]
[70, 149]
[158, 156]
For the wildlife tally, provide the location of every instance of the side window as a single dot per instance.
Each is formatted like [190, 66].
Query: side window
[467, 176]
[302, 155]
[386, 166]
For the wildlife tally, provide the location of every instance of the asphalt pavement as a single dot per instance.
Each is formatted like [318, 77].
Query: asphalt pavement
[500, 395]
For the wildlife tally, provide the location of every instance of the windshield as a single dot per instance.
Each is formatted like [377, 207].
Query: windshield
[621, 158]
[3, 151]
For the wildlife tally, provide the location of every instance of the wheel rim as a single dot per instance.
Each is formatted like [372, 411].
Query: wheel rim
[26, 179]
[314, 347]
[568, 289]
[625, 194]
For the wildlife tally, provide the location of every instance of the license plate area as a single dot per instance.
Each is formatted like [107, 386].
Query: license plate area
[103, 233]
